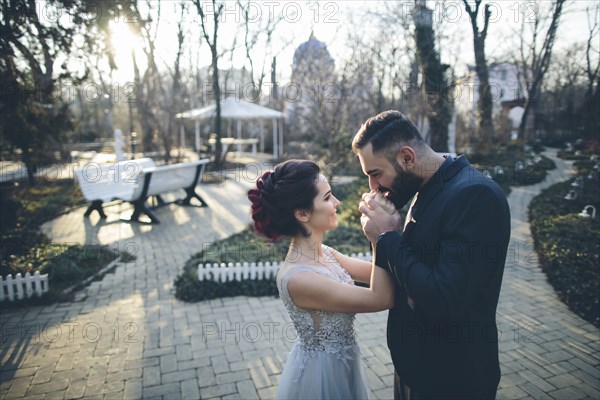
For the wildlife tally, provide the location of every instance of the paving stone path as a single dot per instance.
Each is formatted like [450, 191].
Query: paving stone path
[126, 336]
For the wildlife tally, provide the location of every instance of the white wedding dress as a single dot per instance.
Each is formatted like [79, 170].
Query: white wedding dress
[325, 361]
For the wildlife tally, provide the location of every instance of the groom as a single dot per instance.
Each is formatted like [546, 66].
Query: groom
[447, 259]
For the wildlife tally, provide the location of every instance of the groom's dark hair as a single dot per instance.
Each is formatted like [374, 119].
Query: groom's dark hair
[387, 132]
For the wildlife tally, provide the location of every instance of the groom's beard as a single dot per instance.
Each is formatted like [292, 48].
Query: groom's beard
[404, 186]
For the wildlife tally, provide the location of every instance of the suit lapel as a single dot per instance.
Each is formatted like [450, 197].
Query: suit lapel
[445, 173]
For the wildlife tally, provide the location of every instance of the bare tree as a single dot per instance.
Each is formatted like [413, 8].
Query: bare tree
[563, 88]
[534, 61]
[174, 100]
[485, 123]
[434, 78]
[253, 39]
[149, 88]
[414, 90]
[591, 69]
[592, 93]
[156, 101]
[33, 118]
[212, 41]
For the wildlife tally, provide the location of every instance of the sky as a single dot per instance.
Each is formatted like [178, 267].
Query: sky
[331, 22]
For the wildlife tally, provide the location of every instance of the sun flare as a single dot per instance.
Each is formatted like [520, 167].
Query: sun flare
[124, 41]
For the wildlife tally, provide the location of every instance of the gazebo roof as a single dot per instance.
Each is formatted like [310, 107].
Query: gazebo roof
[232, 108]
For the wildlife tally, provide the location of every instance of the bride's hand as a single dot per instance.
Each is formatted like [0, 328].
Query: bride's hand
[378, 198]
[378, 216]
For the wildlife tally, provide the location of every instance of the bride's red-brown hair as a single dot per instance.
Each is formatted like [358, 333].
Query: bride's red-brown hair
[291, 186]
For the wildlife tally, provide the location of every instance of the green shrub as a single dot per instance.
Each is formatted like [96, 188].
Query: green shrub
[189, 288]
[67, 266]
[25, 249]
[345, 192]
[512, 176]
[348, 238]
[245, 246]
[23, 246]
[350, 196]
[569, 250]
[76, 263]
[570, 155]
[569, 245]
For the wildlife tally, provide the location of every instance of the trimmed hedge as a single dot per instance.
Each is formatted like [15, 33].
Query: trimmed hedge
[189, 288]
[68, 266]
[245, 246]
[568, 245]
[25, 249]
[348, 238]
[23, 246]
[507, 159]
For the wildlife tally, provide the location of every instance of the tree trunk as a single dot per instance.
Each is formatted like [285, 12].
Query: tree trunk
[217, 90]
[485, 105]
[31, 168]
[436, 88]
[539, 68]
[217, 10]
[485, 124]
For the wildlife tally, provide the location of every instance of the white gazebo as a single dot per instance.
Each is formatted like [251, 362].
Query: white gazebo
[236, 109]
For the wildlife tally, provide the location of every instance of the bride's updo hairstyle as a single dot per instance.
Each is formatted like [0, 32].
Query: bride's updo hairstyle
[291, 186]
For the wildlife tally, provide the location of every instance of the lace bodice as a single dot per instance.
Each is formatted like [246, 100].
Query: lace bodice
[319, 330]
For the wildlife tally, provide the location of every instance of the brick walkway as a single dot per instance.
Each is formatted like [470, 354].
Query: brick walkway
[126, 336]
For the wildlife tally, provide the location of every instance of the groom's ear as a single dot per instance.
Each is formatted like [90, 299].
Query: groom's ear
[406, 156]
[301, 215]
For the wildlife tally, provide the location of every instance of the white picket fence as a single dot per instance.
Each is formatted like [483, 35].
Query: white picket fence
[20, 287]
[238, 271]
[241, 271]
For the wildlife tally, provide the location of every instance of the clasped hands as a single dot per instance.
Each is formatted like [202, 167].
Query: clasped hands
[379, 215]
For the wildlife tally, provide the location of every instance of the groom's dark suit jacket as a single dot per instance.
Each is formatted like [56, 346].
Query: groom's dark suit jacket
[448, 265]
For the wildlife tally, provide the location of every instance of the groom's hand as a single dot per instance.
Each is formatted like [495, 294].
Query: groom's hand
[378, 216]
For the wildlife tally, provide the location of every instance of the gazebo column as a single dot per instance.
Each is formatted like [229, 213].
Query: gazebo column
[181, 136]
[275, 147]
[239, 136]
[262, 136]
[197, 135]
[281, 136]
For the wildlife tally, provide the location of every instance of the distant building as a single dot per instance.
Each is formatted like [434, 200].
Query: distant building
[313, 84]
[508, 95]
[312, 59]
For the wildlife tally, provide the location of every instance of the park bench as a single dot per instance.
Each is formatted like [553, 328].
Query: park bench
[135, 181]
[103, 183]
[156, 180]
[227, 142]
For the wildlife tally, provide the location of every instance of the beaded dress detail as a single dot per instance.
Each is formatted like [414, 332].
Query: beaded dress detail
[325, 361]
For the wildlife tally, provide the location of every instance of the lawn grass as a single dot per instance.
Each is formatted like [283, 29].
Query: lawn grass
[26, 249]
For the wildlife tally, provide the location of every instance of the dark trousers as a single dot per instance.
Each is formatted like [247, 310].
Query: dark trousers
[404, 392]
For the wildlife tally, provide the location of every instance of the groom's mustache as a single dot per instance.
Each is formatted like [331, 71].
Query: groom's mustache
[398, 199]
[386, 192]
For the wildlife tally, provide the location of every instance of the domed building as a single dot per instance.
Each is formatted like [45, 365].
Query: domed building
[312, 60]
[313, 87]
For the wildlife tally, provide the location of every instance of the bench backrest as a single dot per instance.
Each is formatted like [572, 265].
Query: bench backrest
[112, 181]
[170, 177]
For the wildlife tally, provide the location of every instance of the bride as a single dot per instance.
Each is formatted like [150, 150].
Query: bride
[316, 283]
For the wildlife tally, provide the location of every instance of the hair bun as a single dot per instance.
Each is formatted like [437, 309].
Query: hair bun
[265, 181]
[261, 220]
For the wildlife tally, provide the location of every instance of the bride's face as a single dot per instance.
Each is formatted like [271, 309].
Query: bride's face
[323, 216]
